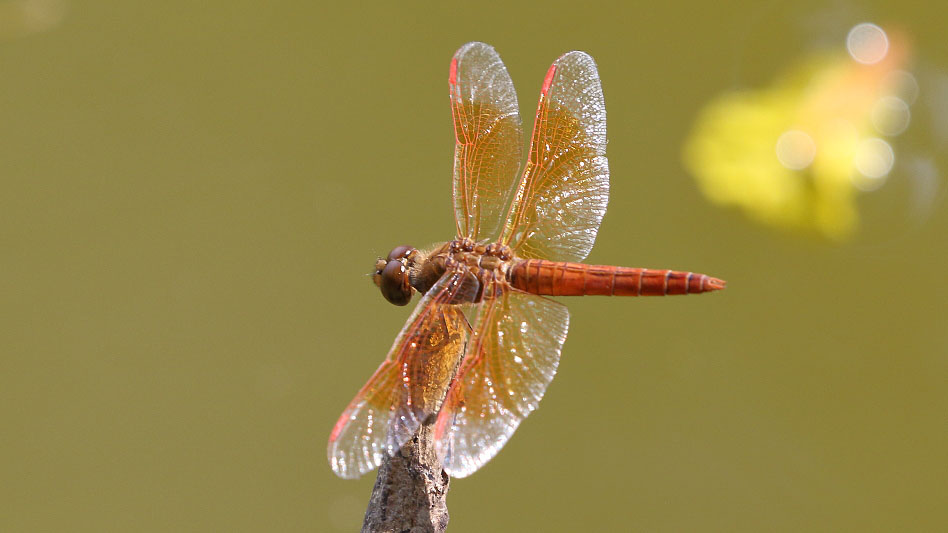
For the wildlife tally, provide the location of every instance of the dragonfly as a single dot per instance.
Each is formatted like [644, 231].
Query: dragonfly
[484, 341]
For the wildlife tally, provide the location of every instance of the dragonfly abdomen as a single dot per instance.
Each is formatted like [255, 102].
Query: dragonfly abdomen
[552, 278]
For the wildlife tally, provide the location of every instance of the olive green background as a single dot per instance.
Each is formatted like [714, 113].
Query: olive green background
[192, 194]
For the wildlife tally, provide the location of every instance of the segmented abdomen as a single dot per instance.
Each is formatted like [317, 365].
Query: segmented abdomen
[552, 278]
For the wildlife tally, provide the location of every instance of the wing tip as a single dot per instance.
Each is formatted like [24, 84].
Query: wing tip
[342, 469]
[575, 53]
[473, 47]
[579, 59]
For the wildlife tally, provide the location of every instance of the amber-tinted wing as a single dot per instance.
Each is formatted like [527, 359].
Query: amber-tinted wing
[562, 195]
[507, 366]
[411, 383]
[489, 140]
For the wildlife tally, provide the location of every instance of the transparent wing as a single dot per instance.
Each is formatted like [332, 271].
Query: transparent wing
[410, 384]
[506, 369]
[562, 195]
[489, 139]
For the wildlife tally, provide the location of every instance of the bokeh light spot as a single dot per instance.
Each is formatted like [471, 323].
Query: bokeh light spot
[873, 160]
[903, 84]
[890, 115]
[795, 149]
[867, 43]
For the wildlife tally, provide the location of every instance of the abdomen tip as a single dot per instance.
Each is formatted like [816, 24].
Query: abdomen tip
[713, 284]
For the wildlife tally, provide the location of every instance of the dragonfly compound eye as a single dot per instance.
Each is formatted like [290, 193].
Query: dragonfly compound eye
[394, 283]
[399, 252]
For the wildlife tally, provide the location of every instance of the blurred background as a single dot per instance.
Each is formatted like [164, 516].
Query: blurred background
[192, 194]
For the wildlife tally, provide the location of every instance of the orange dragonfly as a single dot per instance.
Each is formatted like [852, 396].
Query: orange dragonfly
[480, 348]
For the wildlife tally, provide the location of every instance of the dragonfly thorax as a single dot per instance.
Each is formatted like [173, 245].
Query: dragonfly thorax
[483, 261]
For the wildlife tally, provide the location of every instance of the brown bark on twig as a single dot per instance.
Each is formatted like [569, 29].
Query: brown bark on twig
[410, 490]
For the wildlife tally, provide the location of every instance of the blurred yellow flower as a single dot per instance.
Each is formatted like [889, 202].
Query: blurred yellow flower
[796, 154]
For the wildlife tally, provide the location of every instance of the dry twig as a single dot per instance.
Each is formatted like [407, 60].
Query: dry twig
[410, 490]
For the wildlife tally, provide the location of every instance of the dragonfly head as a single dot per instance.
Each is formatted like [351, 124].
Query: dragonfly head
[391, 275]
